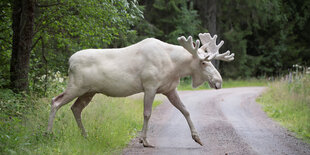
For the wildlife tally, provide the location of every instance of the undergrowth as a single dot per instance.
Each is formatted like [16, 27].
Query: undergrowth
[110, 123]
[289, 104]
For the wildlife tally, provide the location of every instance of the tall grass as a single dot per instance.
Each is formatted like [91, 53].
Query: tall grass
[110, 123]
[289, 104]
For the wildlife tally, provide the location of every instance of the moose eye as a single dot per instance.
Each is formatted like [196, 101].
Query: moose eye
[204, 63]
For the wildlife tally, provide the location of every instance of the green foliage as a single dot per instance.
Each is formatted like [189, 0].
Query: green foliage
[63, 27]
[250, 82]
[237, 43]
[74, 25]
[186, 84]
[5, 41]
[88, 24]
[16, 110]
[110, 122]
[267, 39]
[173, 19]
[11, 104]
[267, 36]
[12, 108]
[289, 104]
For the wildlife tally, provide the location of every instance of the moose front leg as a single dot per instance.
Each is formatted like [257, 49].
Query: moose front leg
[148, 102]
[175, 100]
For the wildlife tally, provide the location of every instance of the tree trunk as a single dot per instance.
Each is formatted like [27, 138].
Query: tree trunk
[22, 25]
[207, 10]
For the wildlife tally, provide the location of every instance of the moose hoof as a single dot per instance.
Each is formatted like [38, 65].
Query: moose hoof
[146, 143]
[197, 139]
[85, 135]
[48, 133]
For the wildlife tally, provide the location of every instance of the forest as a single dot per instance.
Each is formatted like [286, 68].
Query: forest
[37, 37]
[268, 37]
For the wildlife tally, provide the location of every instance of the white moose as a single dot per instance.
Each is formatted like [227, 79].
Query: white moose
[150, 66]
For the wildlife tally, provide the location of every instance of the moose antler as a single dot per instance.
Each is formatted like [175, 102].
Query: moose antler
[209, 45]
[191, 47]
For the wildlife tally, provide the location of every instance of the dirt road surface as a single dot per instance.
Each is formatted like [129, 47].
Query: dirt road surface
[228, 121]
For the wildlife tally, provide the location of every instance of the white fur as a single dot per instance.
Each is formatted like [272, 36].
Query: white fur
[150, 66]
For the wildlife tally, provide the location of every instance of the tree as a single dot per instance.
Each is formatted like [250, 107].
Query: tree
[23, 21]
[46, 33]
[208, 14]
[268, 37]
[173, 19]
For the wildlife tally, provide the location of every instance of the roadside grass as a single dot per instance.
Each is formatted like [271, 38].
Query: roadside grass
[289, 104]
[110, 122]
[251, 82]
[227, 83]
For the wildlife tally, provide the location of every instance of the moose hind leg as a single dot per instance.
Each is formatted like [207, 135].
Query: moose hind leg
[58, 102]
[78, 107]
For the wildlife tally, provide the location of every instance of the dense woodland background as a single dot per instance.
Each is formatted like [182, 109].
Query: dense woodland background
[37, 37]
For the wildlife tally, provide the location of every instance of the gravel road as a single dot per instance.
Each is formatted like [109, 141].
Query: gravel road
[228, 121]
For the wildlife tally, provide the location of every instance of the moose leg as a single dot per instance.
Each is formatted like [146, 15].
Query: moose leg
[58, 102]
[148, 102]
[77, 108]
[175, 100]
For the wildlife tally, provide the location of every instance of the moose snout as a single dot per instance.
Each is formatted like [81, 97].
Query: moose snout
[218, 85]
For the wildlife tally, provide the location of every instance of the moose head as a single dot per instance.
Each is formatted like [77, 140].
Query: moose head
[203, 69]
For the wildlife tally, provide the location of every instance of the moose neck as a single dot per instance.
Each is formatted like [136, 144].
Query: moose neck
[183, 61]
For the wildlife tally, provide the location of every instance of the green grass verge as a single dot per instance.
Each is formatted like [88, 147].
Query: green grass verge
[229, 83]
[110, 122]
[251, 82]
[289, 104]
